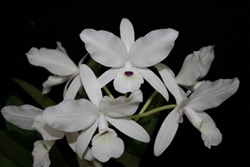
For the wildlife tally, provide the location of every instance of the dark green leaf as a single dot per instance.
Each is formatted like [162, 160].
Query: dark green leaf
[15, 148]
[128, 160]
[56, 157]
[36, 94]
[14, 100]
[5, 161]
[29, 135]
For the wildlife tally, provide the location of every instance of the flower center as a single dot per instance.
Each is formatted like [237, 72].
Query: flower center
[104, 133]
[128, 73]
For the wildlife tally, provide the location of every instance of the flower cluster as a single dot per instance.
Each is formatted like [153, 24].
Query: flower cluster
[90, 124]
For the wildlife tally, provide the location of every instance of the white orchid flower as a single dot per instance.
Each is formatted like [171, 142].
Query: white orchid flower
[29, 118]
[85, 116]
[195, 67]
[50, 134]
[207, 95]
[41, 153]
[128, 58]
[58, 63]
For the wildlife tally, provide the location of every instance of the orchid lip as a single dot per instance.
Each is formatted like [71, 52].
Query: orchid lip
[128, 73]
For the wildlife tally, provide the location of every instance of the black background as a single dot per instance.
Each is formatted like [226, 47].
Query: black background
[223, 24]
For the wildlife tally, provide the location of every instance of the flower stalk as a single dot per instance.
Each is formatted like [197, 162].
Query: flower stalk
[153, 111]
[108, 92]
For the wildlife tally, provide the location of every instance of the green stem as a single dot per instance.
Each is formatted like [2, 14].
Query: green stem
[147, 104]
[108, 92]
[153, 111]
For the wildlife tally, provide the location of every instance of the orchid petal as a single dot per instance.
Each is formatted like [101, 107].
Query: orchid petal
[81, 112]
[152, 48]
[154, 81]
[193, 117]
[61, 48]
[90, 84]
[104, 47]
[71, 139]
[127, 33]
[169, 80]
[52, 81]
[73, 88]
[107, 145]
[167, 132]
[121, 106]
[207, 57]
[190, 70]
[87, 155]
[84, 139]
[53, 60]
[210, 134]
[47, 132]
[212, 94]
[124, 83]
[41, 153]
[130, 128]
[107, 76]
[70, 79]
[22, 116]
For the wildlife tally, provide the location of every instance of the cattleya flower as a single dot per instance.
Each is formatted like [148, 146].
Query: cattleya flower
[29, 117]
[85, 116]
[58, 63]
[128, 58]
[41, 153]
[195, 67]
[89, 122]
[207, 95]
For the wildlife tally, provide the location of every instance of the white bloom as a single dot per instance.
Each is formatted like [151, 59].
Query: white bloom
[207, 95]
[85, 116]
[41, 153]
[195, 67]
[106, 144]
[128, 58]
[29, 118]
[58, 63]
